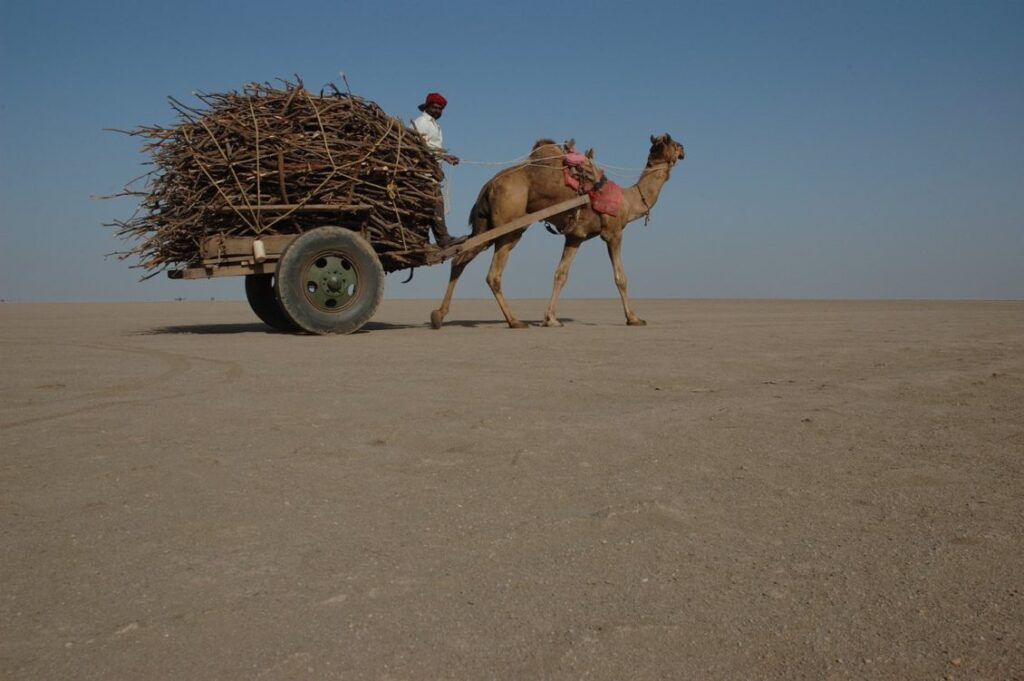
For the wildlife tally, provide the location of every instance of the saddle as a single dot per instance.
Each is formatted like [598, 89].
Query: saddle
[579, 170]
[585, 177]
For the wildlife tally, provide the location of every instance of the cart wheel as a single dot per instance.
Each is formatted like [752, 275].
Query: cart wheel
[259, 291]
[329, 280]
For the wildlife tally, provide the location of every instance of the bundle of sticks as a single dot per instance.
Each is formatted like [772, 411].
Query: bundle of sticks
[282, 160]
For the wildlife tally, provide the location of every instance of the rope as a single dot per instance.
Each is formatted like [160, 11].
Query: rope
[522, 160]
[625, 168]
[495, 163]
[620, 171]
[446, 187]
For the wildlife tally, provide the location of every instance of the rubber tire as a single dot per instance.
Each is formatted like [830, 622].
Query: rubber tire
[306, 249]
[259, 291]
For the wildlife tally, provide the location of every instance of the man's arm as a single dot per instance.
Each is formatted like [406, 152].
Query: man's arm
[424, 128]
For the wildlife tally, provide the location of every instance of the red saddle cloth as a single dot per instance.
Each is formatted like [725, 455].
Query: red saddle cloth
[607, 198]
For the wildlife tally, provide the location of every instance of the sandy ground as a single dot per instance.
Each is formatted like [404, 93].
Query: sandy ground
[740, 490]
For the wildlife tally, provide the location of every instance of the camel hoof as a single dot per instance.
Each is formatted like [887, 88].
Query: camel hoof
[518, 325]
[636, 322]
[552, 323]
[436, 319]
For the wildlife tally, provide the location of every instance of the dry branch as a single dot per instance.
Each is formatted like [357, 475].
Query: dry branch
[281, 160]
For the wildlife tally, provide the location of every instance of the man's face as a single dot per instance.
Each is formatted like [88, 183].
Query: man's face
[434, 109]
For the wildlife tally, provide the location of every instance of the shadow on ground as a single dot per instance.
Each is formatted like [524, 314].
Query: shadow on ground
[256, 327]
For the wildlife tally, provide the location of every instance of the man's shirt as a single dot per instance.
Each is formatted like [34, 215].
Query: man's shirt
[427, 126]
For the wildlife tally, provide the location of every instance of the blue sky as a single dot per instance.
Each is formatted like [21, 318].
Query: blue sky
[834, 149]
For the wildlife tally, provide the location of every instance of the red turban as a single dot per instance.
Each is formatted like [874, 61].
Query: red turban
[434, 98]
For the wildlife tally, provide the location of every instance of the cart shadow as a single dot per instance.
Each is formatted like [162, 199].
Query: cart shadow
[257, 327]
[208, 329]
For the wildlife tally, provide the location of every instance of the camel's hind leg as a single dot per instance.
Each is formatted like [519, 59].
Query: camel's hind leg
[572, 246]
[437, 316]
[615, 253]
[502, 247]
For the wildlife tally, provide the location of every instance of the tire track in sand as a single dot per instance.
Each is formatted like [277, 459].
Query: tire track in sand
[177, 365]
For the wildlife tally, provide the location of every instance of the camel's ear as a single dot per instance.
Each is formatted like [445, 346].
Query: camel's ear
[653, 140]
[590, 153]
[667, 137]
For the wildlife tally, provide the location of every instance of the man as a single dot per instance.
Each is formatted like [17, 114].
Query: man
[426, 124]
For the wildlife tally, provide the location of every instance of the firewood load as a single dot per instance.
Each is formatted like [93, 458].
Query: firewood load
[282, 160]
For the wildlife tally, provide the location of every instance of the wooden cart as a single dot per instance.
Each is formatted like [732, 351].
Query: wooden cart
[327, 279]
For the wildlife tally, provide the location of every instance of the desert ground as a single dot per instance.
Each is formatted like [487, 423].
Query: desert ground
[739, 490]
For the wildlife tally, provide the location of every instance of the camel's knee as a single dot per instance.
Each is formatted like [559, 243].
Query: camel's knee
[621, 281]
[494, 282]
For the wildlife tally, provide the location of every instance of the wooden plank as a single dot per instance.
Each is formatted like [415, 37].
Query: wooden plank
[508, 227]
[299, 208]
[223, 271]
[235, 260]
[241, 246]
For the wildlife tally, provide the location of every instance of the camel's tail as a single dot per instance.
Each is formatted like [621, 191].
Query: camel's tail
[479, 222]
[480, 213]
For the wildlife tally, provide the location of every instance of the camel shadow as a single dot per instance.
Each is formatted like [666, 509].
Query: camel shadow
[476, 323]
[473, 323]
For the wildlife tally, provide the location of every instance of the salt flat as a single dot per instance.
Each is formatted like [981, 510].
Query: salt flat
[741, 489]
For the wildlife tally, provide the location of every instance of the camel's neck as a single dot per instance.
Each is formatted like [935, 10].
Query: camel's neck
[644, 194]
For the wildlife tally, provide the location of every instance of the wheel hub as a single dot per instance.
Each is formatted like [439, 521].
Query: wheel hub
[331, 282]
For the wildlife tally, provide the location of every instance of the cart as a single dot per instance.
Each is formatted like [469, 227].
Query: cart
[328, 279]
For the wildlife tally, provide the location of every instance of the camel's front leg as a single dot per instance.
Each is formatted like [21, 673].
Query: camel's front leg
[615, 253]
[572, 247]
[503, 246]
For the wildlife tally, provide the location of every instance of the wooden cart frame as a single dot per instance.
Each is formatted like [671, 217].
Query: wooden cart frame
[327, 279]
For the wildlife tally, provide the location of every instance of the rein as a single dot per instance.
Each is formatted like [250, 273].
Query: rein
[640, 191]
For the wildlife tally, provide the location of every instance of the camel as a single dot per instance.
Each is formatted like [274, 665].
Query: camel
[539, 183]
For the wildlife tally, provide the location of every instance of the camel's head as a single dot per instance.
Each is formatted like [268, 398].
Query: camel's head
[664, 149]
